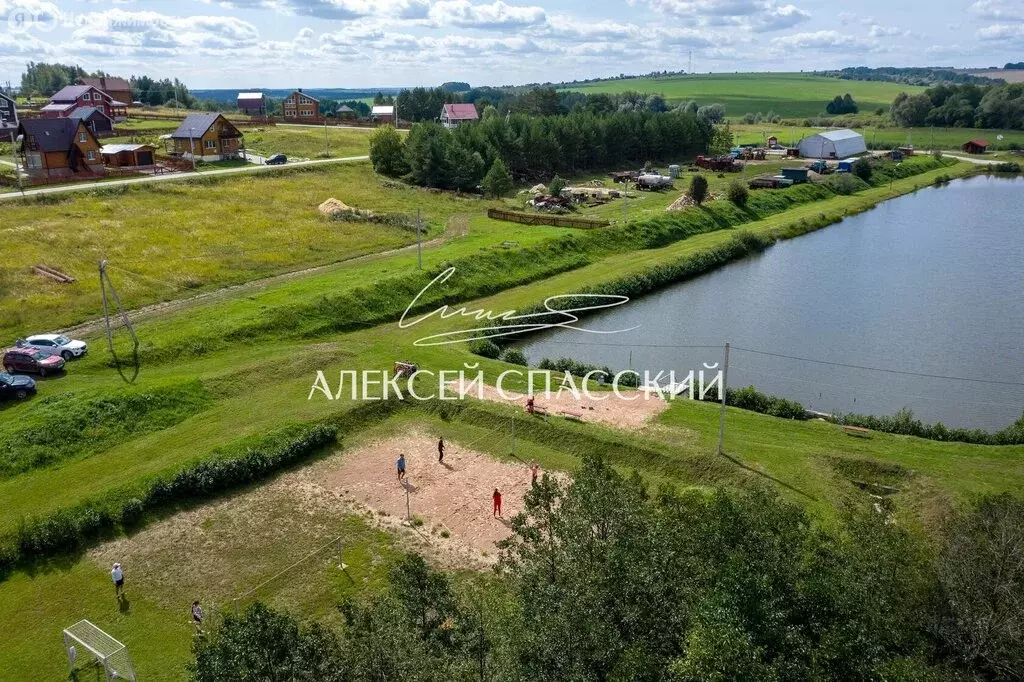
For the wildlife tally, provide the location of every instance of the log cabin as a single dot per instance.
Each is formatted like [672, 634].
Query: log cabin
[207, 137]
[57, 147]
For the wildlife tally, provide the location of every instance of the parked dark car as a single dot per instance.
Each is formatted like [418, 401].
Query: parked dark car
[276, 160]
[29, 359]
[17, 387]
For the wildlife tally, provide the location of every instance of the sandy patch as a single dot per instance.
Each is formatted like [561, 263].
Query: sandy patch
[606, 408]
[457, 495]
[219, 550]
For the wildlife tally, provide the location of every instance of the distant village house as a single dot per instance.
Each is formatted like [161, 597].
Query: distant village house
[384, 113]
[207, 137]
[56, 147]
[66, 100]
[299, 106]
[252, 103]
[8, 117]
[346, 112]
[454, 115]
[118, 88]
[975, 146]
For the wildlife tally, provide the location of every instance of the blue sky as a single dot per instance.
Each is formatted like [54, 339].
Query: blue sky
[364, 43]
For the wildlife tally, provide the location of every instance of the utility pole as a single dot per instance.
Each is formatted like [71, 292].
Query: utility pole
[192, 146]
[327, 144]
[722, 389]
[14, 157]
[419, 242]
[513, 435]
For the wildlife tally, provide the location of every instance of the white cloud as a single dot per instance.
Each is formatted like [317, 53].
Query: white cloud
[880, 31]
[1002, 32]
[998, 10]
[822, 40]
[755, 15]
[496, 15]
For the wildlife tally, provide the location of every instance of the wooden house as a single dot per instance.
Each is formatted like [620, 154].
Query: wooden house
[8, 117]
[118, 88]
[383, 113]
[454, 115]
[301, 107]
[252, 103]
[55, 147]
[975, 146]
[346, 112]
[209, 137]
[95, 120]
[72, 97]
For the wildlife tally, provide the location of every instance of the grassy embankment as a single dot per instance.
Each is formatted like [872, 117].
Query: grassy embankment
[255, 388]
[786, 94]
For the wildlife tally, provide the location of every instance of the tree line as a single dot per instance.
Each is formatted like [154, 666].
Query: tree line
[424, 104]
[605, 578]
[962, 106]
[536, 148]
[44, 79]
[909, 75]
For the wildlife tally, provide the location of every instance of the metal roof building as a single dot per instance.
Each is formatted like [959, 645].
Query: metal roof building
[833, 144]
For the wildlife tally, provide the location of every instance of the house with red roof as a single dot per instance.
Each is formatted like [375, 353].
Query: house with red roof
[66, 100]
[118, 88]
[454, 115]
[978, 145]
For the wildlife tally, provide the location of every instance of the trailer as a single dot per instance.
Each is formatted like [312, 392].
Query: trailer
[624, 176]
[770, 182]
[653, 181]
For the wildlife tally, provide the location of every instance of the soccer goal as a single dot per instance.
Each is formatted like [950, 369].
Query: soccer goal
[109, 653]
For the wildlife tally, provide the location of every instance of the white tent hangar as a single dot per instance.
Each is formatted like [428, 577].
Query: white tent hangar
[834, 144]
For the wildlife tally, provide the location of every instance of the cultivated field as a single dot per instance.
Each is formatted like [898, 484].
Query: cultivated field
[786, 94]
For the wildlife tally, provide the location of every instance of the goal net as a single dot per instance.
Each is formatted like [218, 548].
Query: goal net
[83, 639]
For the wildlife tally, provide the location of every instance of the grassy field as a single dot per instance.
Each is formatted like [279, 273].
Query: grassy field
[256, 384]
[169, 240]
[786, 94]
[922, 138]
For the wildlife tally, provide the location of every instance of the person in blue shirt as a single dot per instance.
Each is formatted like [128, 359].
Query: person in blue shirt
[400, 465]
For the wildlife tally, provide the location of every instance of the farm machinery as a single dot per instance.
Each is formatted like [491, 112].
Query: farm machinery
[719, 163]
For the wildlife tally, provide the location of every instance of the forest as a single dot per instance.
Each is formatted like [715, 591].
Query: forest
[962, 106]
[43, 80]
[604, 578]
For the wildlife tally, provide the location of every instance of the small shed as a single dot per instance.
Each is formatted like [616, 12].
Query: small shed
[345, 111]
[795, 174]
[976, 146]
[772, 142]
[846, 165]
[127, 155]
[832, 144]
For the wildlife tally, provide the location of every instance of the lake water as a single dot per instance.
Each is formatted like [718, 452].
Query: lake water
[929, 283]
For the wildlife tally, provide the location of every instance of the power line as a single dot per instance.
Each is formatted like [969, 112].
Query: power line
[880, 369]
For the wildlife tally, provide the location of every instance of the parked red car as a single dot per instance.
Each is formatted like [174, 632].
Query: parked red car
[34, 360]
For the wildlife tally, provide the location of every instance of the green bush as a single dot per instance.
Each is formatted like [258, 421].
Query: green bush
[699, 189]
[556, 186]
[485, 348]
[862, 169]
[514, 356]
[846, 183]
[738, 193]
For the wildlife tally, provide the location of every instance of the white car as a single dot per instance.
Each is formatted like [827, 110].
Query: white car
[56, 343]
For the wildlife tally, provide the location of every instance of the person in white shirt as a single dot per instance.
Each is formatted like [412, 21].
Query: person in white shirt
[117, 575]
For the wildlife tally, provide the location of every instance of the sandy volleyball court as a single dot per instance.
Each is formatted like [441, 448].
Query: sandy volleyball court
[634, 411]
[455, 494]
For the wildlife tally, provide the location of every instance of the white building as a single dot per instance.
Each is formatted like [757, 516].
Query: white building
[834, 144]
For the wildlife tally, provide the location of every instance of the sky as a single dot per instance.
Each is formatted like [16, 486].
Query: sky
[390, 43]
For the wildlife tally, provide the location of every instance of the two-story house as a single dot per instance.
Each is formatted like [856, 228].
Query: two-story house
[300, 107]
[66, 100]
[54, 147]
[118, 88]
[8, 117]
[207, 137]
[454, 115]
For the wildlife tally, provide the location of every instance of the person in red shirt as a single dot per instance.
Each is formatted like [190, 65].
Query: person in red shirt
[497, 502]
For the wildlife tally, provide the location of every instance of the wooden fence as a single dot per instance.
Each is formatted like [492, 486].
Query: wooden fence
[539, 219]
